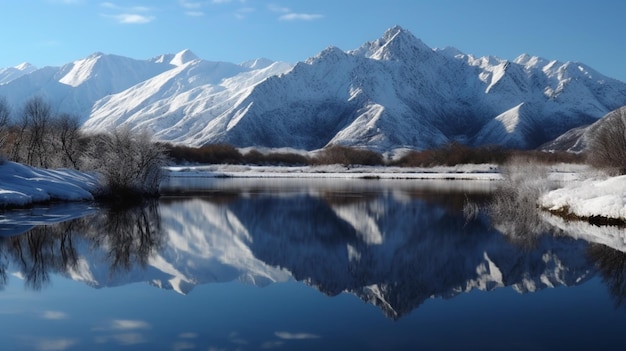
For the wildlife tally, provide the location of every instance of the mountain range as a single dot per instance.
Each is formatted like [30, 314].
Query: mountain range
[390, 93]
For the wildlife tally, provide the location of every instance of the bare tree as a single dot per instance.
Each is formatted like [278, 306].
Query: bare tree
[607, 142]
[5, 113]
[37, 118]
[20, 134]
[67, 135]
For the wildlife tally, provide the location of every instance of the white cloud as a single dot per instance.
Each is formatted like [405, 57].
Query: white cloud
[300, 17]
[54, 315]
[132, 18]
[129, 338]
[128, 15]
[191, 4]
[288, 15]
[55, 344]
[127, 324]
[296, 336]
[194, 13]
[276, 8]
[109, 5]
[66, 2]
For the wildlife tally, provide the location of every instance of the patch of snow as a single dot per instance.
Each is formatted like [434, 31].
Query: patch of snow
[588, 198]
[22, 185]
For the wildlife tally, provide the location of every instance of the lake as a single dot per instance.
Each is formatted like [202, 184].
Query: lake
[307, 264]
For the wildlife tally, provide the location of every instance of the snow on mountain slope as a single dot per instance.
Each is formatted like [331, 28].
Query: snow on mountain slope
[74, 87]
[396, 92]
[179, 103]
[577, 139]
[393, 92]
[11, 73]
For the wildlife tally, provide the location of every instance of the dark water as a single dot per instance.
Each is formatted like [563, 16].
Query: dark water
[305, 265]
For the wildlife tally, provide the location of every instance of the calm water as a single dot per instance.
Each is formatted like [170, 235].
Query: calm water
[305, 265]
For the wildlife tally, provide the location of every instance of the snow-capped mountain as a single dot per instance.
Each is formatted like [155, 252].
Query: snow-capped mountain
[577, 139]
[11, 73]
[393, 92]
[75, 87]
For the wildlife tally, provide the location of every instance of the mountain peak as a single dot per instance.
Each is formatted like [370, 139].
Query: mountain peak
[95, 55]
[331, 53]
[183, 57]
[396, 44]
[395, 31]
[527, 60]
[25, 67]
[259, 63]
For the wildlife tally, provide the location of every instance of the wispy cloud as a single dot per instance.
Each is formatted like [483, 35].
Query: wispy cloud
[288, 15]
[133, 18]
[190, 4]
[296, 336]
[193, 8]
[54, 315]
[243, 12]
[123, 332]
[277, 8]
[66, 2]
[272, 345]
[194, 13]
[292, 16]
[55, 344]
[126, 324]
[128, 15]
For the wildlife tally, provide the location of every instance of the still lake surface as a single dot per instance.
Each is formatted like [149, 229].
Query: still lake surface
[304, 264]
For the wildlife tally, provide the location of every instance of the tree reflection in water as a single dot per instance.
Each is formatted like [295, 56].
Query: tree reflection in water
[130, 235]
[612, 266]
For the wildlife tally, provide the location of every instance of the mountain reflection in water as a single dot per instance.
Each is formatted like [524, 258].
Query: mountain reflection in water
[392, 246]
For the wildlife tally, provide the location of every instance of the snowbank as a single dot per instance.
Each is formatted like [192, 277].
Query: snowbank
[589, 198]
[22, 185]
[461, 172]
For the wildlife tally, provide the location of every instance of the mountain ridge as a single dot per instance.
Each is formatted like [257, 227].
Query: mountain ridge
[390, 93]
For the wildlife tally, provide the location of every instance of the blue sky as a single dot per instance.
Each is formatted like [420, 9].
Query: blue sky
[55, 32]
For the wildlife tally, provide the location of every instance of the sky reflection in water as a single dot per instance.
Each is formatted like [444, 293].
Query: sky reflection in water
[316, 265]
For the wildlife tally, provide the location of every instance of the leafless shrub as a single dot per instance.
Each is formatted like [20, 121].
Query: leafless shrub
[453, 154]
[343, 155]
[275, 158]
[207, 154]
[514, 209]
[129, 162]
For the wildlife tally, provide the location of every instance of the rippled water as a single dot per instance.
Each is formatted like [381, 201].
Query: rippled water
[327, 264]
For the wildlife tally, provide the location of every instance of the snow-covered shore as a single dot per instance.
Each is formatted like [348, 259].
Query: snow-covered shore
[461, 172]
[22, 185]
[601, 197]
